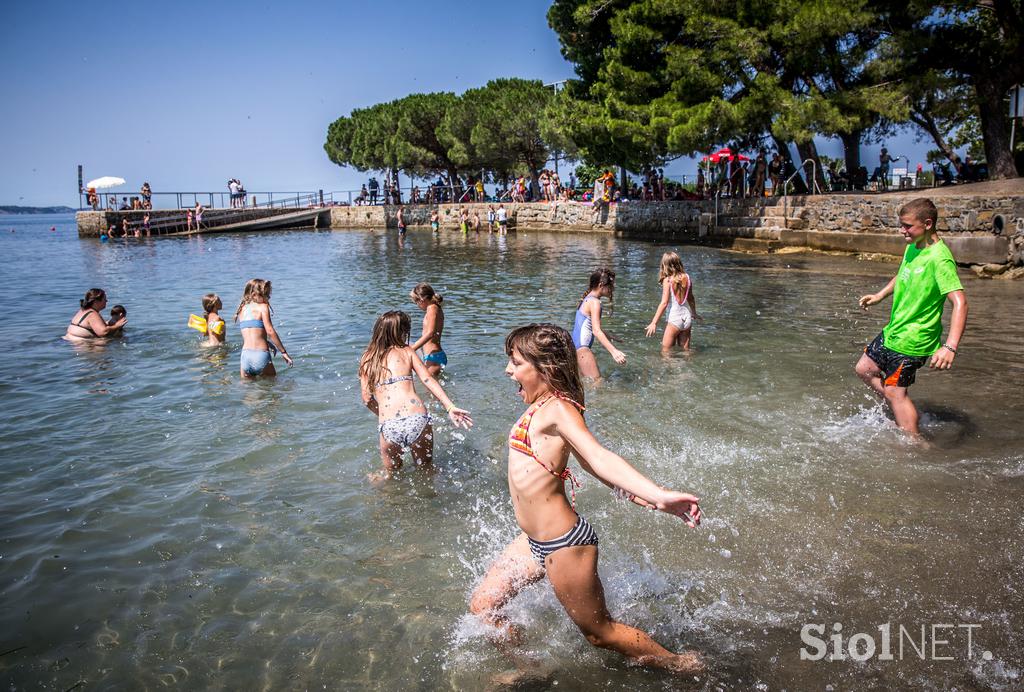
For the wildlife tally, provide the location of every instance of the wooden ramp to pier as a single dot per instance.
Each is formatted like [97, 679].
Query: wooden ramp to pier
[240, 221]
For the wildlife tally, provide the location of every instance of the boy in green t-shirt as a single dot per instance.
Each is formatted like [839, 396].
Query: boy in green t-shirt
[925, 280]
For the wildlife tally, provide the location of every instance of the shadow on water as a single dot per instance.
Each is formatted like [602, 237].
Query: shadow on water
[946, 427]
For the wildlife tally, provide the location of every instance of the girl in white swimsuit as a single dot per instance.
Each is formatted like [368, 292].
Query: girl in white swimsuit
[677, 291]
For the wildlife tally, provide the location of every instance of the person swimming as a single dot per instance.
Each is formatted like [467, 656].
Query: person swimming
[554, 540]
[587, 326]
[385, 379]
[258, 333]
[429, 301]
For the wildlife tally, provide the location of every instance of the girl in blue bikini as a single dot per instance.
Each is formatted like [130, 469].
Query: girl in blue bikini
[429, 302]
[258, 333]
[556, 541]
[385, 379]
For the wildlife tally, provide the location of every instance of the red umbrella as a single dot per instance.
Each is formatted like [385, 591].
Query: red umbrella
[714, 158]
[740, 157]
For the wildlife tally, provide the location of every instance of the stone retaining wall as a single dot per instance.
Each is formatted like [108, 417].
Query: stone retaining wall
[854, 223]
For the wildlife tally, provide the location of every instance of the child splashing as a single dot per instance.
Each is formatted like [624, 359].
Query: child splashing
[588, 324]
[676, 288]
[426, 299]
[555, 540]
[385, 378]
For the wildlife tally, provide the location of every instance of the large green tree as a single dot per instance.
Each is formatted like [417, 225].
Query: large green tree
[397, 135]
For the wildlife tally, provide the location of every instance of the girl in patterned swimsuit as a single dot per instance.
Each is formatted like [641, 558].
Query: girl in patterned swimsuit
[555, 540]
[385, 378]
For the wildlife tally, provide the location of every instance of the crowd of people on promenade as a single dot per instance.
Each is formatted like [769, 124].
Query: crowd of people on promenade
[549, 364]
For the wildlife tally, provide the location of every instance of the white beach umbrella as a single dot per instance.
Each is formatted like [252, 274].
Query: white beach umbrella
[104, 182]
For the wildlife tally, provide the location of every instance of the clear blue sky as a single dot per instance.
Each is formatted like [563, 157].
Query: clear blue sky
[186, 95]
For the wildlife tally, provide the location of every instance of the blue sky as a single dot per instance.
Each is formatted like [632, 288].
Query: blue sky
[186, 95]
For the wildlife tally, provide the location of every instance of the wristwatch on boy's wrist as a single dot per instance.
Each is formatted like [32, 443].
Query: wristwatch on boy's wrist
[949, 348]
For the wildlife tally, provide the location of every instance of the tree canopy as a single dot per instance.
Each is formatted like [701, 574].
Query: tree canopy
[503, 128]
[664, 78]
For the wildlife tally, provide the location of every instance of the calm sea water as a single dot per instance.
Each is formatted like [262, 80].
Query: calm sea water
[165, 524]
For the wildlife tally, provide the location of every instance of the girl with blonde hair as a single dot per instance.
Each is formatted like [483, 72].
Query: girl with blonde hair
[258, 334]
[677, 289]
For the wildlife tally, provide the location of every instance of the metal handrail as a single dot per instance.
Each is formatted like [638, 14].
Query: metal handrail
[785, 185]
[183, 196]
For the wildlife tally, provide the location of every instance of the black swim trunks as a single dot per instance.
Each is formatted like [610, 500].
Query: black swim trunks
[899, 369]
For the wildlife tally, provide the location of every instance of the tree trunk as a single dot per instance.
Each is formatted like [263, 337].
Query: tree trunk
[994, 130]
[783, 149]
[926, 122]
[851, 150]
[809, 150]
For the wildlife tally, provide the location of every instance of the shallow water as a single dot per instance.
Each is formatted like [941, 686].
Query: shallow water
[165, 524]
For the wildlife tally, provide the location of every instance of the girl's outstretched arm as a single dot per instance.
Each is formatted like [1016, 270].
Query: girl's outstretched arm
[460, 417]
[653, 326]
[429, 327]
[613, 470]
[595, 323]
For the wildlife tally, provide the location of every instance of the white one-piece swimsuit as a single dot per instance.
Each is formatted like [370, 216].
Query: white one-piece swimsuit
[679, 313]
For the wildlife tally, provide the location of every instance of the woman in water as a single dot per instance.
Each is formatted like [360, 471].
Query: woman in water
[258, 333]
[385, 378]
[427, 300]
[676, 288]
[588, 324]
[88, 323]
[555, 540]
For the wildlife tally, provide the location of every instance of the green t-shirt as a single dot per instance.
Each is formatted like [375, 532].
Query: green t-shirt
[924, 279]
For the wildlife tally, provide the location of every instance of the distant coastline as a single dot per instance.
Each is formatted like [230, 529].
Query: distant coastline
[34, 210]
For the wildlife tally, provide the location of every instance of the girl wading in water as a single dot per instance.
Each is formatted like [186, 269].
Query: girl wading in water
[258, 333]
[385, 378]
[555, 540]
[429, 301]
[588, 324]
[677, 290]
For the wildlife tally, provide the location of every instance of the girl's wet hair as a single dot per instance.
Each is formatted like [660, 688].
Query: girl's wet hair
[600, 277]
[672, 268]
[255, 291]
[118, 311]
[211, 303]
[391, 330]
[550, 349]
[93, 295]
[426, 292]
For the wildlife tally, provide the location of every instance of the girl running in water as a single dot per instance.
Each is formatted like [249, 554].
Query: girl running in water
[555, 540]
[677, 289]
[434, 357]
[588, 324]
[258, 333]
[385, 378]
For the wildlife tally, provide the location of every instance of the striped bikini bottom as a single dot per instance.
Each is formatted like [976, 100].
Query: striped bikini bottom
[582, 533]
